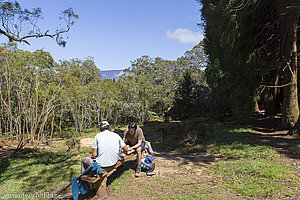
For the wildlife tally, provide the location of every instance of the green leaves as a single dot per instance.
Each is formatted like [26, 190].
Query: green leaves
[235, 36]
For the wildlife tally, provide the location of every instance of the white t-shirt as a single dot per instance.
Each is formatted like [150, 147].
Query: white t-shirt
[108, 144]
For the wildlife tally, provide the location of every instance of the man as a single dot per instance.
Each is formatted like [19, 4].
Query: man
[106, 148]
[134, 138]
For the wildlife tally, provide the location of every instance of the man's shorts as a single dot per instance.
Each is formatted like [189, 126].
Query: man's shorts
[142, 145]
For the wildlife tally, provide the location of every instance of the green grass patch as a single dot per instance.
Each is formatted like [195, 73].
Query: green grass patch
[237, 150]
[185, 136]
[169, 144]
[222, 131]
[37, 172]
[192, 149]
[86, 150]
[256, 178]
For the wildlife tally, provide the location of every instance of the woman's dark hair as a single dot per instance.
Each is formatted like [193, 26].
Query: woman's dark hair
[132, 125]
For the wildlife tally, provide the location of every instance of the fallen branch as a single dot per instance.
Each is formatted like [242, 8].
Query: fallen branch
[20, 146]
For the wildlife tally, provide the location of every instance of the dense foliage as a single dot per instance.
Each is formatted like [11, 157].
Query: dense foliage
[253, 48]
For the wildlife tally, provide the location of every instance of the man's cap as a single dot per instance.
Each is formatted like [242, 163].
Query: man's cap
[104, 124]
[132, 125]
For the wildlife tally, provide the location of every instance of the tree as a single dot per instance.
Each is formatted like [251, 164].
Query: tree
[288, 25]
[185, 97]
[253, 46]
[142, 74]
[77, 75]
[191, 98]
[19, 24]
[29, 91]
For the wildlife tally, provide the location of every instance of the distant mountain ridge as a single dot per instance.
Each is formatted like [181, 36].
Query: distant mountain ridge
[111, 74]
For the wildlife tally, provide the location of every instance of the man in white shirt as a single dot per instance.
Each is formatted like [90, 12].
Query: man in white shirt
[106, 148]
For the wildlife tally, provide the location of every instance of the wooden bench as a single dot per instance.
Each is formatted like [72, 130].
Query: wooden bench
[100, 181]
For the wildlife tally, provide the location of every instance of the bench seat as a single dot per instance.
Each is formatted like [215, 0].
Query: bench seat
[98, 177]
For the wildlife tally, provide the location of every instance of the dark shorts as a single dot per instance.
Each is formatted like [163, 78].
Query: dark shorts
[142, 145]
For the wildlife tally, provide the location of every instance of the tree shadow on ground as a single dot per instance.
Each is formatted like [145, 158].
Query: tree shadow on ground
[266, 124]
[4, 165]
[257, 142]
[36, 171]
[267, 131]
[264, 131]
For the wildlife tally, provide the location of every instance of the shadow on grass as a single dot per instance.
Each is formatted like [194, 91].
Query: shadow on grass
[131, 164]
[38, 171]
[231, 147]
[4, 165]
[231, 138]
[266, 124]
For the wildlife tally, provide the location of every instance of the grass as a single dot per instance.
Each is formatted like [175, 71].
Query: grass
[181, 136]
[256, 178]
[37, 172]
[221, 131]
[251, 171]
[192, 149]
[169, 144]
[237, 150]
[45, 171]
[239, 168]
[175, 188]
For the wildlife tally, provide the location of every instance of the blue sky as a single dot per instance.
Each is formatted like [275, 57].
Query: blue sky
[115, 32]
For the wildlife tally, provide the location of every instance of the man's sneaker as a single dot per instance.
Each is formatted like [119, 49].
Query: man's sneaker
[138, 171]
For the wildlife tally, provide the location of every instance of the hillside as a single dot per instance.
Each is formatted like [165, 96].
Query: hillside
[111, 74]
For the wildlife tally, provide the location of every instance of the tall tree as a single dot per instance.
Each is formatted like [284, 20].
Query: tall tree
[289, 22]
[255, 46]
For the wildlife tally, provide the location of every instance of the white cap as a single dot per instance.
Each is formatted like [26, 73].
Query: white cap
[103, 124]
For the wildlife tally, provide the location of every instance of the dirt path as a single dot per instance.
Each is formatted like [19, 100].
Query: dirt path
[174, 175]
[86, 142]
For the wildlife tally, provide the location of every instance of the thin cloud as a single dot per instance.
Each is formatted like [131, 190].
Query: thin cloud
[185, 35]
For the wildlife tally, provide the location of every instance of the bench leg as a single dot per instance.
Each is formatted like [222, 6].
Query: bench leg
[101, 187]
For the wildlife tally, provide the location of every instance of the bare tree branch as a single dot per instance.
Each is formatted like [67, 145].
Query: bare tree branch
[19, 24]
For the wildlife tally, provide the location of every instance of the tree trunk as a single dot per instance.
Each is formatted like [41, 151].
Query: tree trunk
[256, 107]
[60, 120]
[271, 98]
[288, 25]
[52, 124]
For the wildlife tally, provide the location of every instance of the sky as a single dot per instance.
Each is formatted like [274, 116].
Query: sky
[116, 32]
